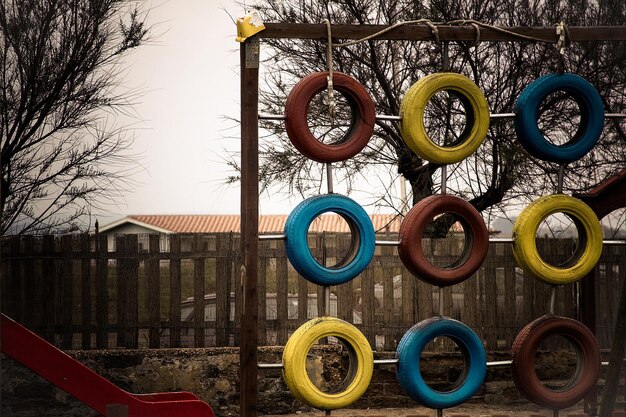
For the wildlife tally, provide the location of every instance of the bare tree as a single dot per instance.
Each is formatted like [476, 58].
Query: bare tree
[500, 172]
[60, 155]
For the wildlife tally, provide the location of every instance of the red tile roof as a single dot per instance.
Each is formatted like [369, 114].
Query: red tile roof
[273, 223]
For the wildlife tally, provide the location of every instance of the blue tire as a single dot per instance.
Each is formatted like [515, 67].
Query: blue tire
[408, 369]
[591, 117]
[297, 248]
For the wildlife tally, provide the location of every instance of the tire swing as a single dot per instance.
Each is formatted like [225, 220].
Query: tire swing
[527, 115]
[297, 248]
[412, 113]
[361, 125]
[359, 353]
[408, 369]
[416, 221]
[587, 252]
[587, 371]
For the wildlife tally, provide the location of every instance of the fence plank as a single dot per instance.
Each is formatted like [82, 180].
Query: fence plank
[282, 311]
[408, 299]
[67, 292]
[511, 317]
[424, 300]
[491, 304]
[102, 292]
[153, 272]
[15, 291]
[85, 289]
[262, 290]
[121, 289]
[368, 305]
[131, 279]
[303, 300]
[223, 277]
[49, 288]
[175, 291]
[29, 289]
[198, 292]
[388, 304]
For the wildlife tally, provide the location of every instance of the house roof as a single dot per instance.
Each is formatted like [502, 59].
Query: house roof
[223, 223]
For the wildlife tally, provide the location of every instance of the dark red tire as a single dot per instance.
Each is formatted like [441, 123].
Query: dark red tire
[361, 126]
[587, 369]
[412, 228]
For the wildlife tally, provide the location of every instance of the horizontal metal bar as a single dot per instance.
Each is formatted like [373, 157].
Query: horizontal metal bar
[614, 242]
[392, 362]
[500, 240]
[272, 237]
[386, 243]
[501, 115]
[388, 117]
[270, 365]
[499, 363]
[385, 361]
[268, 116]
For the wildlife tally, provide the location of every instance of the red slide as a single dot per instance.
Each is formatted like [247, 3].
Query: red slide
[87, 386]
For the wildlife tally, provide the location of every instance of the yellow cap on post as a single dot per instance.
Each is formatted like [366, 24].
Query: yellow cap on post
[249, 25]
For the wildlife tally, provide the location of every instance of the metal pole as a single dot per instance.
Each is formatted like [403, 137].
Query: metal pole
[329, 177]
[552, 298]
[559, 185]
[444, 179]
[441, 301]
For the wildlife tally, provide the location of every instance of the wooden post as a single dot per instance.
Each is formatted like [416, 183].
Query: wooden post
[249, 58]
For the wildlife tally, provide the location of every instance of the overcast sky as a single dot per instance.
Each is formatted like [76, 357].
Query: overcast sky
[189, 79]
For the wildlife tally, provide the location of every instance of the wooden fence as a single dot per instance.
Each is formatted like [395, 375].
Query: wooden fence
[77, 292]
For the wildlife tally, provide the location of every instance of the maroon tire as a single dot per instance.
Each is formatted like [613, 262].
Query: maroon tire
[361, 126]
[412, 228]
[587, 369]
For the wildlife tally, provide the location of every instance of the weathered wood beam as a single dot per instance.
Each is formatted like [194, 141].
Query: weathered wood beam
[423, 32]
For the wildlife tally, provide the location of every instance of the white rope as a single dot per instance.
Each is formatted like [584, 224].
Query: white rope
[329, 60]
[435, 30]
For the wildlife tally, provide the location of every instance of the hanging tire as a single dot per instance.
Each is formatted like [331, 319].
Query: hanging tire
[361, 125]
[413, 226]
[412, 113]
[587, 369]
[527, 115]
[408, 369]
[297, 248]
[360, 369]
[589, 246]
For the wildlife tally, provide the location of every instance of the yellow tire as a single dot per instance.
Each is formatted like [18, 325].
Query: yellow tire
[412, 114]
[589, 246]
[360, 369]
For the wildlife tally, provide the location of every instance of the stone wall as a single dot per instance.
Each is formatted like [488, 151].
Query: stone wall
[212, 374]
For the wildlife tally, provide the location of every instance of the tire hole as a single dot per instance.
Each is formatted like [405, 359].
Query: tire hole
[338, 240]
[446, 241]
[557, 363]
[334, 368]
[448, 118]
[327, 131]
[559, 118]
[568, 230]
[441, 370]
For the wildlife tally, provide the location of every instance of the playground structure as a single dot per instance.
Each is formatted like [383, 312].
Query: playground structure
[526, 116]
[99, 393]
